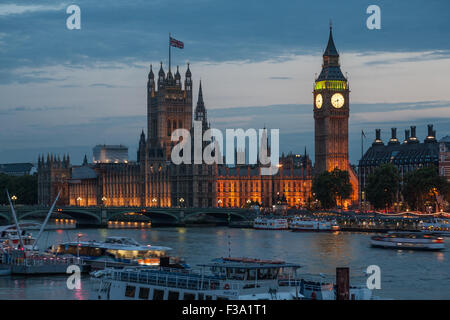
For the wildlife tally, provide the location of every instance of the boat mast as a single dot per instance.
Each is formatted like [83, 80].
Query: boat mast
[15, 220]
[45, 221]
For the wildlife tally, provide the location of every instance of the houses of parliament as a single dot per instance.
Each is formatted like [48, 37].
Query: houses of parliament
[154, 181]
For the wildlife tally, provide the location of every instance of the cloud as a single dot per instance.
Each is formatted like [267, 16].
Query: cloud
[280, 78]
[22, 109]
[252, 31]
[102, 85]
[14, 9]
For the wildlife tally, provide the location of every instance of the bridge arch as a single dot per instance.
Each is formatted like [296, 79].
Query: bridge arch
[115, 213]
[215, 213]
[74, 213]
[162, 214]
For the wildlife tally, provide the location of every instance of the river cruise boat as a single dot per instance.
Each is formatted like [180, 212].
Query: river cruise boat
[222, 279]
[9, 237]
[408, 240]
[439, 226]
[270, 223]
[308, 224]
[114, 251]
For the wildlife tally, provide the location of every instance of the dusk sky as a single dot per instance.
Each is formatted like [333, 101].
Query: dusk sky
[64, 91]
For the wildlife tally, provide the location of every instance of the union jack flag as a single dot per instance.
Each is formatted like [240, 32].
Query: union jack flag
[176, 43]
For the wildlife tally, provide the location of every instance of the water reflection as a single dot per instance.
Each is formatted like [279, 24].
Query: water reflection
[405, 274]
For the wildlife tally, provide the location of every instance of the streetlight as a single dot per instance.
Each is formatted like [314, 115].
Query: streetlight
[14, 198]
[181, 202]
[220, 202]
[79, 201]
[104, 200]
[154, 200]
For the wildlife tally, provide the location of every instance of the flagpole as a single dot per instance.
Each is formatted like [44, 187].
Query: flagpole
[169, 52]
[362, 144]
[360, 173]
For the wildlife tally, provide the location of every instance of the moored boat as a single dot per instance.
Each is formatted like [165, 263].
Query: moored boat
[408, 240]
[222, 279]
[115, 252]
[263, 223]
[439, 226]
[309, 224]
[10, 238]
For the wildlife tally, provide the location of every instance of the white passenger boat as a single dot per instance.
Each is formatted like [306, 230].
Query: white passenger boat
[439, 226]
[408, 240]
[222, 279]
[9, 237]
[308, 224]
[114, 251]
[270, 223]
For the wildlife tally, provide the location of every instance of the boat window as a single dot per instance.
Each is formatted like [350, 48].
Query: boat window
[189, 296]
[144, 293]
[173, 295]
[208, 298]
[201, 296]
[251, 274]
[158, 294]
[263, 274]
[223, 298]
[130, 291]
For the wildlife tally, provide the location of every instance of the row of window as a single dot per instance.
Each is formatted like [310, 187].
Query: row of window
[172, 126]
[289, 186]
[158, 294]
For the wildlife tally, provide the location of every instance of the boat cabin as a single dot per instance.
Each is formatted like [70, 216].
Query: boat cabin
[246, 269]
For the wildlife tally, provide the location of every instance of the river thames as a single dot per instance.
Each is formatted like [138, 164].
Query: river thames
[404, 274]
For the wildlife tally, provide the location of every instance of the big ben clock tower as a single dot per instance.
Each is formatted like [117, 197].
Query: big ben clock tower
[331, 112]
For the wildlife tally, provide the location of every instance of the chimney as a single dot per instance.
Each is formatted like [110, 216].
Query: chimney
[413, 137]
[431, 136]
[406, 136]
[394, 139]
[377, 138]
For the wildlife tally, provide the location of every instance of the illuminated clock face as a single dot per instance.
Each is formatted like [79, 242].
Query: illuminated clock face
[337, 100]
[319, 101]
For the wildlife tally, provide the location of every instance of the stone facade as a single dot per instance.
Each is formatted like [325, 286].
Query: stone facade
[407, 156]
[444, 157]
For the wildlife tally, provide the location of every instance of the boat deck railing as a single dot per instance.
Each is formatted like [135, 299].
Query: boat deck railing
[178, 278]
[38, 261]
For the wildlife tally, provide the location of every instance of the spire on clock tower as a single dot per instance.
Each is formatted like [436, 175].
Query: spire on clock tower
[331, 48]
[331, 69]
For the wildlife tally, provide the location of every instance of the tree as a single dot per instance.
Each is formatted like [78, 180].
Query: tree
[329, 187]
[422, 187]
[23, 187]
[383, 186]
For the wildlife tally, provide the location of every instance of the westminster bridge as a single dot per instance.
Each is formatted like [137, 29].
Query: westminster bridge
[101, 216]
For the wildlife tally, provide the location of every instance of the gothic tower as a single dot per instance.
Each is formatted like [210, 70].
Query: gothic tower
[169, 107]
[331, 112]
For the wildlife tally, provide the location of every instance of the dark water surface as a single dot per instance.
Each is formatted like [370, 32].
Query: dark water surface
[404, 274]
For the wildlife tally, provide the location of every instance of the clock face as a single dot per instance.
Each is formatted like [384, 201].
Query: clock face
[337, 100]
[319, 101]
